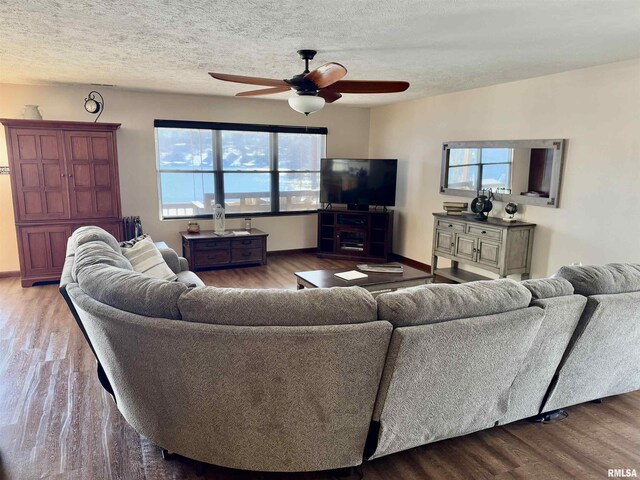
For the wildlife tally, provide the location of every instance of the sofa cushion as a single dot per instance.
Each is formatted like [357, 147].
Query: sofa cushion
[441, 302]
[602, 279]
[146, 258]
[92, 233]
[97, 253]
[189, 278]
[132, 291]
[548, 287]
[314, 306]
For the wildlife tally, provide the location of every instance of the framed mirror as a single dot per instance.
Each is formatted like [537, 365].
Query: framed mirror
[520, 171]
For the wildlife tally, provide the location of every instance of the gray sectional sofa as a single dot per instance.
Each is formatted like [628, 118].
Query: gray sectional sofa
[279, 380]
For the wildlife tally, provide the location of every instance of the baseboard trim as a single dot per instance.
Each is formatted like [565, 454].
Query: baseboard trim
[412, 263]
[10, 274]
[292, 252]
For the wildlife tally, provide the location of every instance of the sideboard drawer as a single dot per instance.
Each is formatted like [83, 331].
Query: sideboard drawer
[212, 245]
[246, 255]
[485, 232]
[212, 258]
[247, 243]
[450, 225]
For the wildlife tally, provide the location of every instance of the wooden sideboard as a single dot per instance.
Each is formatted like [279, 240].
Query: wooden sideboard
[494, 245]
[63, 175]
[208, 250]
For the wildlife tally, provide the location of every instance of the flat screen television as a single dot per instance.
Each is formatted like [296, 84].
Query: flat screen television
[358, 183]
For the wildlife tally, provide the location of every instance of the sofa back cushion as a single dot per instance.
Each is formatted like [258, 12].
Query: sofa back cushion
[561, 315]
[97, 253]
[440, 302]
[131, 291]
[450, 378]
[603, 356]
[92, 233]
[602, 279]
[254, 398]
[541, 288]
[316, 306]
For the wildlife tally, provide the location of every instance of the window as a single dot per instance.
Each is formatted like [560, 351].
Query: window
[480, 168]
[251, 169]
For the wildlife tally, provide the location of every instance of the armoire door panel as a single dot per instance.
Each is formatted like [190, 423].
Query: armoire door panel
[30, 175]
[31, 203]
[100, 148]
[79, 147]
[49, 147]
[104, 202]
[26, 144]
[44, 248]
[54, 202]
[36, 256]
[81, 175]
[82, 203]
[102, 175]
[37, 157]
[52, 176]
[58, 245]
[92, 159]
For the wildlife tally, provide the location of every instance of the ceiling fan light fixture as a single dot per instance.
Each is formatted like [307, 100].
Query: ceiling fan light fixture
[306, 103]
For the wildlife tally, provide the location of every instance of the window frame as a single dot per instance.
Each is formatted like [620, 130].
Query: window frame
[218, 171]
[480, 167]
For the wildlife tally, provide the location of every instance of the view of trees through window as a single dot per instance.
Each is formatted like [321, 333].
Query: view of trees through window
[248, 171]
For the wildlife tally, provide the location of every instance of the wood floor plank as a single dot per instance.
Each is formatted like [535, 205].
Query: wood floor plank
[57, 422]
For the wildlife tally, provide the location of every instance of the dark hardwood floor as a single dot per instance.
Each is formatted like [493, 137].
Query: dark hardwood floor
[57, 422]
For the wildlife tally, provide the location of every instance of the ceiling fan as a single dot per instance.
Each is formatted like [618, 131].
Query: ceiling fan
[313, 88]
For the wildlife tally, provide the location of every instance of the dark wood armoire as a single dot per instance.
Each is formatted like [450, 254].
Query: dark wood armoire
[63, 175]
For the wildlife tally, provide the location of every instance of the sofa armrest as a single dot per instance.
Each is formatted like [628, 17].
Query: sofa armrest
[184, 264]
[172, 259]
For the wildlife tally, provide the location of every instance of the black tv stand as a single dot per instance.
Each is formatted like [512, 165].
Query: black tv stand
[356, 207]
[348, 234]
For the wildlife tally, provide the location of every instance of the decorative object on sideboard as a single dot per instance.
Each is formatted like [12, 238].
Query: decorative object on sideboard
[94, 106]
[4, 170]
[455, 208]
[511, 209]
[218, 219]
[193, 227]
[31, 112]
[247, 224]
[482, 204]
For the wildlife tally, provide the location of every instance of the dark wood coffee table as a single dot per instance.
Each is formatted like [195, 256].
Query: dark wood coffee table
[375, 282]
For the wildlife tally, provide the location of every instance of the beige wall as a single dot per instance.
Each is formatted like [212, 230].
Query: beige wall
[348, 136]
[596, 109]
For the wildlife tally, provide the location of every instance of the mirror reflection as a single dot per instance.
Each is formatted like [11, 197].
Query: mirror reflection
[511, 169]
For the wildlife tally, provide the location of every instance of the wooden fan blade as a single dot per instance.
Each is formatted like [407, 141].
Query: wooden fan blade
[327, 74]
[328, 96]
[263, 91]
[267, 82]
[366, 86]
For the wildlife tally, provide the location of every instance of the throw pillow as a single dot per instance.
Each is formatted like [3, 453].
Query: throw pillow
[147, 259]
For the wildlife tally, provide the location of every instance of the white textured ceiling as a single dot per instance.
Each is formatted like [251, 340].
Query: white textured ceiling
[438, 45]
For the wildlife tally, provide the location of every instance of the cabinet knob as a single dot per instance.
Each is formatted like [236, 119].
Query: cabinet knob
[70, 175]
[62, 174]
[452, 244]
[483, 231]
[450, 225]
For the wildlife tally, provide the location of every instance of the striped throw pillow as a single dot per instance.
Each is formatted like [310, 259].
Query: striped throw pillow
[147, 259]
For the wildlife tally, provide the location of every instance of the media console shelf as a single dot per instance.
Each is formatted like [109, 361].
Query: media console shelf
[493, 244]
[349, 234]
